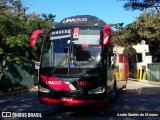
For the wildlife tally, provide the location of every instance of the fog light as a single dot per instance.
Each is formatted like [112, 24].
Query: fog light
[98, 90]
[42, 89]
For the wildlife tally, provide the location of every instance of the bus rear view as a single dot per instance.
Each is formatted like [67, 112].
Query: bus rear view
[77, 65]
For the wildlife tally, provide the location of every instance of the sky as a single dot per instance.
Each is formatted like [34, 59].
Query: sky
[111, 11]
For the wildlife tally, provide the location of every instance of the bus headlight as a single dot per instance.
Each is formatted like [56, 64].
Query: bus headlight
[98, 90]
[42, 89]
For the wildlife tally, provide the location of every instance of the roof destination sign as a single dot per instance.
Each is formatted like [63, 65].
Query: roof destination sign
[80, 20]
[75, 20]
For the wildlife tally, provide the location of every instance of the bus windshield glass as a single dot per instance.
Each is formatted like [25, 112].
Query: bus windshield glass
[65, 48]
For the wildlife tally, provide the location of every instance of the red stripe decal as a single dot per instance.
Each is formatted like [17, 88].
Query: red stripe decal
[73, 102]
[55, 83]
[50, 101]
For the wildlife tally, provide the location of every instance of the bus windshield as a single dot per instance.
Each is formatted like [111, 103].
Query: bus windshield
[63, 49]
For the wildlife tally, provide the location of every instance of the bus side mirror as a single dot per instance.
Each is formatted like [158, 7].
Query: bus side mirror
[34, 37]
[106, 34]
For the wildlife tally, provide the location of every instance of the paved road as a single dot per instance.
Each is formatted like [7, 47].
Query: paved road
[136, 98]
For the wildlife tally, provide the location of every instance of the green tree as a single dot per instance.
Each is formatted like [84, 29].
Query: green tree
[141, 4]
[15, 29]
[145, 27]
[49, 17]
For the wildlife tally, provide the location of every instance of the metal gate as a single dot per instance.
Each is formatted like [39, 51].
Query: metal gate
[154, 72]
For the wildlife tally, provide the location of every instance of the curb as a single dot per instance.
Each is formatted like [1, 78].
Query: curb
[32, 89]
[146, 81]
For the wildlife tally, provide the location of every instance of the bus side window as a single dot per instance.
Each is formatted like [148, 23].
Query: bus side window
[110, 57]
[113, 60]
[108, 60]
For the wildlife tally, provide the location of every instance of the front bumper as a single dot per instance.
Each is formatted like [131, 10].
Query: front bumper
[65, 101]
[73, 99]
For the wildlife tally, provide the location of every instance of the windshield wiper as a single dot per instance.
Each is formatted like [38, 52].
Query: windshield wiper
[71, 57]
[79, 66]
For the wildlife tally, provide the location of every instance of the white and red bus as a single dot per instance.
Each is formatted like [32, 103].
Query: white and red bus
[81, 63]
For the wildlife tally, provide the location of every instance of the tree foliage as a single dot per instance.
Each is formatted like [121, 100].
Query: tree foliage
[141, 4]
[145, 27]
[16, 27]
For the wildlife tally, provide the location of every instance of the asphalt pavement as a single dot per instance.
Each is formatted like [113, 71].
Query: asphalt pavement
[139, 97]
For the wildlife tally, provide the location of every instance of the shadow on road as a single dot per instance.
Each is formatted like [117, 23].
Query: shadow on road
[145, 99]
[142, 100]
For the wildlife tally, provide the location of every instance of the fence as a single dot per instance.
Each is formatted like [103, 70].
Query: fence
[154, 72]
[19, 76]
